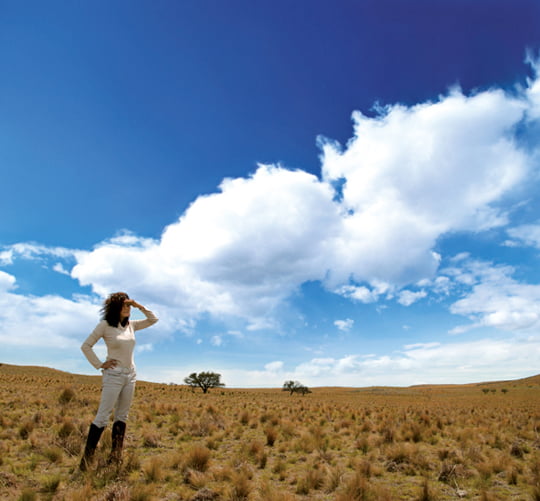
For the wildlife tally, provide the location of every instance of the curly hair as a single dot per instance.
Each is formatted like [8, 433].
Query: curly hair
[112, 307]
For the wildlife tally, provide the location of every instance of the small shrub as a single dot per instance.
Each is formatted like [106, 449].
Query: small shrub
[153, 470]
[118, 492]
[262, 459]
[517, 450]
[53, 454]
[362, 444]
[25, 429]
[28, 495]
[150, 439]
[355, 489]
[244, 417]
[67, 395]
[269, 493]
[50, 484]
[240, 488]
[365, 468]
[425, 494]
[447, 473]
[255, 448]
[131, 462]
[205, 494]
[333, 478]
[312, 480]
[279, 469]
[512, 477]
[142, 493]
[389, 435]
[67, 429]
[271, 435]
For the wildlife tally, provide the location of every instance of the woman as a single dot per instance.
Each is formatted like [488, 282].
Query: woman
[119, 376]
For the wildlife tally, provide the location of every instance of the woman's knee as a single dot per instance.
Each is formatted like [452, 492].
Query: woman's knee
[101, 421]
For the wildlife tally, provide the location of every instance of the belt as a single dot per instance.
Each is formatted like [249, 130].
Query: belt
[122, 370]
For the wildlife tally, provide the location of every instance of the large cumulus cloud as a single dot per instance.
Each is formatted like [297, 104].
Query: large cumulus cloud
[413, 174]
[366, 227]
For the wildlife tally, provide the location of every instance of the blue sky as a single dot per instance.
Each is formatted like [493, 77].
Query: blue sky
[340, 193]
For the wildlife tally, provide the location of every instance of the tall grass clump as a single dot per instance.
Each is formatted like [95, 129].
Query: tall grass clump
[271, 436]
[313, 479]
[153, 470]
[198, 458]
[240, 487]
[356, 488]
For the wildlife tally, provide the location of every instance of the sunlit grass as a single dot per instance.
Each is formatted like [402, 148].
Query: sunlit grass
[426, 443]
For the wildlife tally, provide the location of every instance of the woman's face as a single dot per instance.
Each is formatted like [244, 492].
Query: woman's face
[125, 311]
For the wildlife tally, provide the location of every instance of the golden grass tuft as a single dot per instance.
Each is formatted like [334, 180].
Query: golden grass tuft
[198, 458]
[240, 488]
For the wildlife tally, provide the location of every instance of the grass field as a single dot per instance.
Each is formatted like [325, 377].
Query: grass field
[476, 442]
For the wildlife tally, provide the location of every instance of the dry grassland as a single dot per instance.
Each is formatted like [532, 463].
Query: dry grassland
[423, 443]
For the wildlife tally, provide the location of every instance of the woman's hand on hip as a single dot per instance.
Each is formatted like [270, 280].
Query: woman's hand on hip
[109, 364]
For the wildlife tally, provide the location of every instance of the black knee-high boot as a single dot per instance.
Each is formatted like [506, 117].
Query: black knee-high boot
[118, 432]
[94, 434]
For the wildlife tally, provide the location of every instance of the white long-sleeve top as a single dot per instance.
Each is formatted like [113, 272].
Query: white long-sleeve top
[120, 341]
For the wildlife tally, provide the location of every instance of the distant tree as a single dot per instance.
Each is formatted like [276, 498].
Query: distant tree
[290, 386]
[505, 390]
[303, 390]
[295, 387]
[485, 391]
[204, 380]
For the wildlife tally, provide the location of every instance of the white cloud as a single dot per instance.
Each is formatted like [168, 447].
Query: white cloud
[526, 234]
[358, 293]
[33, 251]
[344, 325]
[365, 294]
[7, 281]
[147, 347]
[51, 323]
[273, 367]
[414, 174]
[240, 252]
[47, 321]
[236, 334]
[533, 89]
[6, 257]
[494, 298]
[216, 341]
[59, 268]
[406, 297]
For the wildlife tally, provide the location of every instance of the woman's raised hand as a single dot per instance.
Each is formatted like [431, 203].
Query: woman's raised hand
[132, 302]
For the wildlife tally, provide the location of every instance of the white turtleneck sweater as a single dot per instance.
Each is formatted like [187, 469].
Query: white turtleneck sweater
[120, 340]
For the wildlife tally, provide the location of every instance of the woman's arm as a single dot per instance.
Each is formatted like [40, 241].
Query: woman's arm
[150, 319]
[88, 344]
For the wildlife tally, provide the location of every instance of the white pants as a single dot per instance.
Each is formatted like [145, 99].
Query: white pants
[116, 393]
